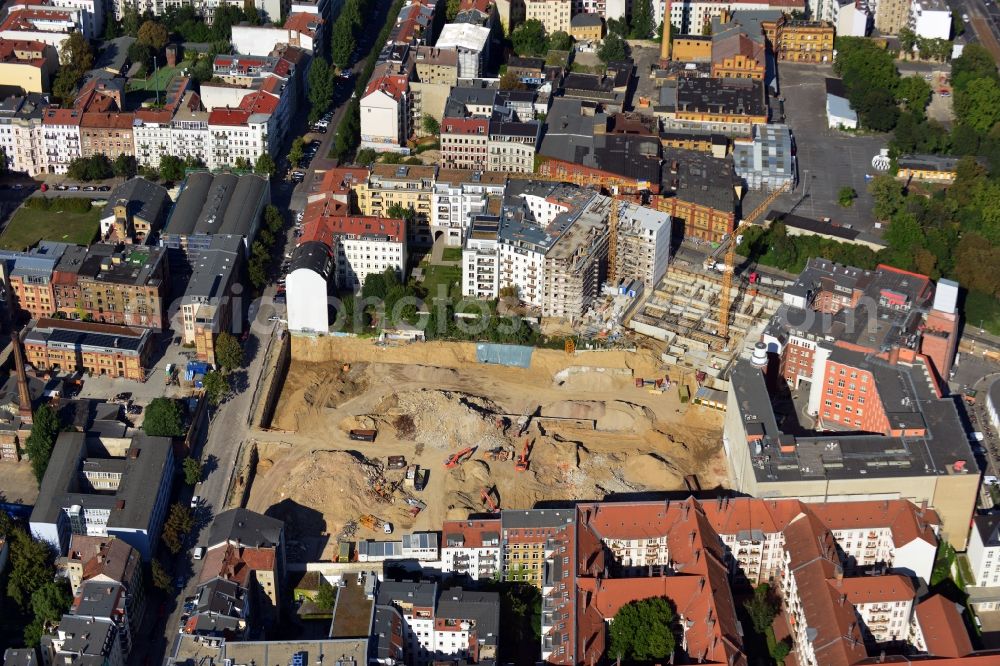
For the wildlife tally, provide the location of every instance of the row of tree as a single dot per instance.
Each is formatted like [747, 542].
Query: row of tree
[262, 248]
[346, 29]
[99, 167]
[529, 39]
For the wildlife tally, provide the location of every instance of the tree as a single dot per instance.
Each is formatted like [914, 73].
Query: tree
[45, 428]
[431, 125]
[154, 35]
[171, 167]
[125, 166]
[178, 523]
[163, 418]
[321, 88]
[614, 49]
[297, 151]
[510, 81]
[265, 165]
[29, 563]
[228, 351]
[366, 156]
[560, 41]
[915, 92]
[451, 10]
[342, 43]
[528, 39]
[161, 579]
[907, 40]
[326, 597]
[846, 196]
[643, 630]
[217, 387]
[888, 194]
[618, 27]
[75, 58]
[979, 104]
[762, 607]
[48, 604]
[192, 471]
[642, 20]
[131, 20]
[273, 219]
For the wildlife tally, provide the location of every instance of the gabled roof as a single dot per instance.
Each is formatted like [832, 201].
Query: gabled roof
[943, 628]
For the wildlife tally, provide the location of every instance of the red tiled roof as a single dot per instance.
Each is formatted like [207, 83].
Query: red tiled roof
[471, 530]
[61, 117]
[394, 85]
[272, 85]
[10, 47]
[482, 6]
[466, 126]
[943, 628]
[874, 589]
[325, 228]
[299, 21]
[259, 102]
[23, 19]
[236, 564]
[231, 117]
[906, 520]
[342, 180]
[121, 121]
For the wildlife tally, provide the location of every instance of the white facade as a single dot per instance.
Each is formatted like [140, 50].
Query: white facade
[476, 563]
[453, 205]
[481, 267]
[307, 297]
[61, 146]
[839, 113]
[383, 121]
[18, 140]
[472, 44]
[357, 257]
[852, 19]
[930, 19]
[691, 16]
[643, 243]
[228, 143]
[983, 552]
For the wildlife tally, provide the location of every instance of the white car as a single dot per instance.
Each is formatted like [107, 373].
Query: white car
[387, 528]
[195, 501]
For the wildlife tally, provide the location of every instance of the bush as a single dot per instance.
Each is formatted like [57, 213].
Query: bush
[59, 204]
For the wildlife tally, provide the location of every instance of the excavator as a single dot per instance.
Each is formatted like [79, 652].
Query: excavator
[521, 465]
[487, 497]
[460, 457]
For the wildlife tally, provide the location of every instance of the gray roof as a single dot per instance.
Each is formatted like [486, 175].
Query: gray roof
[86, 635]
[131, 506]
[99, 598]
[417, 594]
[213, 267]
[246, 528]
[521, 518]
[481, 609]
[20, 657]
[584, 19]
[313, 256]
[380, 549]
[220, 596]
[700, 178]
[988, 527]
[74, 335]
[147, 200]
[25, 107]
[420, 540]
[718, 95]
[217, 204]
[928, 162]
[138, 265]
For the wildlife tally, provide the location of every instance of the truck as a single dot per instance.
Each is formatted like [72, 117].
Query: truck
[344, 551]
[360, 435]
[371, 522]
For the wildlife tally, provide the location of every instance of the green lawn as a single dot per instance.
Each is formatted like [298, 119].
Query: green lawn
[452, 254]
[984, 309]
[29, 226]
[435, 275]
[156, 81]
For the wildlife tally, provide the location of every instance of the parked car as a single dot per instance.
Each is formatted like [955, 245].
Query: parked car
[195, 501]
[89, 188]
[104, 188]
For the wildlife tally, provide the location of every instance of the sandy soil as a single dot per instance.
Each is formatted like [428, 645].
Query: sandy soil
[593, 433]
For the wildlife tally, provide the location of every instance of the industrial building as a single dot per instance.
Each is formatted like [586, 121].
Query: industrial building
[766, 161]
[68, 346]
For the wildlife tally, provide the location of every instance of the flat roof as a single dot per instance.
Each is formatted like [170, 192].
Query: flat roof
[217, 204]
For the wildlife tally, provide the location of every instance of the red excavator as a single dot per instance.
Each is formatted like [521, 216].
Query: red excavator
[487, 498]
[522, 462]
[460, 457]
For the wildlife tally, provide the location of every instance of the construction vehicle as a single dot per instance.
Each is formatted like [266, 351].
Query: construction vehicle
[499, 454]
[396, 462]
[360, 435]
[487, 497]
[370, 522]
[522, 462]
[460, 457]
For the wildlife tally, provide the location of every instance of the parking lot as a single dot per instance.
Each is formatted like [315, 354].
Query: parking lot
[828, 159]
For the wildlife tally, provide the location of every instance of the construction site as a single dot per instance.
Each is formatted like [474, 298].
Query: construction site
[368, 440]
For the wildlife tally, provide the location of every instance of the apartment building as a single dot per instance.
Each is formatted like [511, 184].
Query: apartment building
[643, 244]
[359, 245]
[21, 132]
[119, 491]
[701, 192]
[460, 195]
[512, 145]
[385, 110]
[891, 16]
[80, 639]
[40, 23]
[472, 44]
[554, 15]
[481, 258]
[60, 139]
[691, 17]
[530, 539]
[464, 143]
[471, 548]
[984, 557]
[801, 41]
[27, 64]
[436, 72]
[80, 346]
[406, 186]
[586, 27]
[423, 623]
[930, 19]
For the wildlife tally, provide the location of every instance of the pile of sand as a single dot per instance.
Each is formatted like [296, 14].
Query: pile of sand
[651, 472]
[449, 420]
[612, 416]
[313, 387]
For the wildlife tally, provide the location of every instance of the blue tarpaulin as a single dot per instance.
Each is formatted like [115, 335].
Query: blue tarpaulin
[518, 356]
